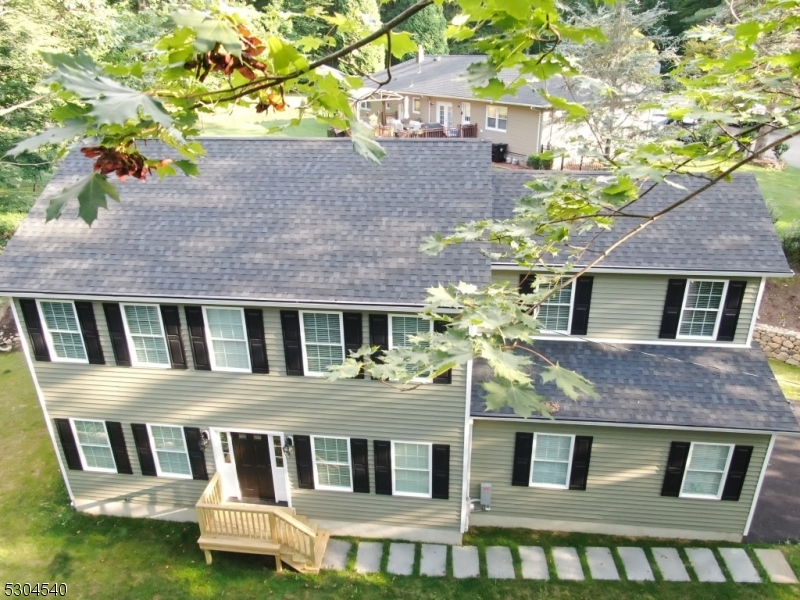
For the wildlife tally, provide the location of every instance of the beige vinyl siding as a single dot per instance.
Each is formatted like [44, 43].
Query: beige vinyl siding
[630, 306]
[275, 402]
[626, 473]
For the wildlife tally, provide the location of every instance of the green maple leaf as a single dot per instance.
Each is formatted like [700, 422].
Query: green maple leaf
[569, 382]
[54, 135]
[364, 142]
[188, 167]
[506, 365]
[91, 192]
[521, 398]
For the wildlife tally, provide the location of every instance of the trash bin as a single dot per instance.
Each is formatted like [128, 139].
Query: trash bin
[499, 152]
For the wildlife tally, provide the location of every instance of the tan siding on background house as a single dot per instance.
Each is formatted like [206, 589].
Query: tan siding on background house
[629, 307]
[275, 402]
[626, 473]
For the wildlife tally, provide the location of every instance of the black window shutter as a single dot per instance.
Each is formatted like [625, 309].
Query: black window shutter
[676, 465]
[117, 332]
[147, 462]
[172, 328]
[69, 445]
[523, 450]
[526, 281]
[197, 458]
[353, 335]
[383, 466]
[736, 472]
[447, 376]
[730, 311]
[580, 307]
[304, 461]
[440, 471]
[91, 338]
[33, 323]
[379, 335]
[292, 352]
[117, 440]
[197, 337]
[672, 309]
[579, 474]
[360, 461]
[254, 319]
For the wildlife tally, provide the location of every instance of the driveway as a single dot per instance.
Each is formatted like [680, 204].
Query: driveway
[792, 156]
[777, 517]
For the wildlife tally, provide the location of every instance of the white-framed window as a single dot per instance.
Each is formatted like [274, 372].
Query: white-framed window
[322, 337]
[444, 113]
[552, 460]
[411, 469]
[402, 327]
[94, 446]
[706, 470]
[496, 118]
[701, 309]
[364, 105]
[170, 452]
[332, 467]
[227, 338]
[62, 331]
[145, 332]
[466, 113]
[416, 105]
[555, 313]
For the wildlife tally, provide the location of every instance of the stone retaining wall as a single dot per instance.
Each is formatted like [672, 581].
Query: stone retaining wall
[780, 344]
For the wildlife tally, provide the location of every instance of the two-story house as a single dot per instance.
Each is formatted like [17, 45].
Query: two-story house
[179, 348]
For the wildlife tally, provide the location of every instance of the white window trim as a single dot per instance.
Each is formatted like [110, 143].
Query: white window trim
[722, 480]
[129, 338]
[153, 449]
[719, 310]
[466, 113]
[430, 470]
[551, 486]
[413, 103]
[306, 371]
[49, 338]
[330, 488]
[571, 309]
[211, 356]
[496, 118]
[391, 342]
[445, 105]
[80, 447]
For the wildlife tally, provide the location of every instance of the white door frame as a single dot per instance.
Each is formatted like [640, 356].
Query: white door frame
[466, 112]
[227, 471]
[445, 105]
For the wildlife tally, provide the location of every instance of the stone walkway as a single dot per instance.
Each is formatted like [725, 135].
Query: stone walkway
[628, 563]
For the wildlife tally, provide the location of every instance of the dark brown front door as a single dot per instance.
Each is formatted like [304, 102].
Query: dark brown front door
[253, 466]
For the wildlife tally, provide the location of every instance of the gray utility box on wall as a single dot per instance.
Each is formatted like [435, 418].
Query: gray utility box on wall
[486, 494]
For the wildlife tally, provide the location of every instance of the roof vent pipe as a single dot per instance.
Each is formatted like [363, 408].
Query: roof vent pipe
[420, 53]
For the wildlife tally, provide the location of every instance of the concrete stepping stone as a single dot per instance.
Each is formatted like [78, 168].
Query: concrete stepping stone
[670, 564]
[705, 565]
[601, 564]
[368, 557]
[739, 565]
[336, 555]
[434, 560]
[637, 567]
[465, 562]
[401, 559]
[534, 563]
[774, 563]
[568, 565]
[499, 564]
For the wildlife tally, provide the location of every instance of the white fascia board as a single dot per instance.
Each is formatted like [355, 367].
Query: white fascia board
[421, 94]
[699, 429]
[228, 301]
[644, 271]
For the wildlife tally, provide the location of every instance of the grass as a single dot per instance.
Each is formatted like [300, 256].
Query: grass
[14, 205]
[42, 539]
[781, 189]
[788, 377]
[248, 123]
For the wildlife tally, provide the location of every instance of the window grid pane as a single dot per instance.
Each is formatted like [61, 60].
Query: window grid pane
[225, 324]
[170, 447]
[231, 355]
[331, 458]
[145, 331]
[62, 324]
[703, 301]
[705, 470]
[412, 468]
[411, 482]
[551, 459]
[95, 446]
[554, 312]
[323, 341]
[403, 327]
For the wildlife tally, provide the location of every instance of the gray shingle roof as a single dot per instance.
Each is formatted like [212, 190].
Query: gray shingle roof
[443, 75]
[726, 228]
[267, 219]
[662, 385]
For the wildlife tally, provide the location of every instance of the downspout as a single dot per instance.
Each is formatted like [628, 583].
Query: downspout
[23, 340]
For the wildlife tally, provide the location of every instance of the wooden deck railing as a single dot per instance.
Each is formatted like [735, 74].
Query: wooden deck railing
[253, 522]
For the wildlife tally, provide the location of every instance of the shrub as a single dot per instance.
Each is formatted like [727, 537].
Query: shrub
[773, 211]
[780, 149]
[540, 161]
[790, 240]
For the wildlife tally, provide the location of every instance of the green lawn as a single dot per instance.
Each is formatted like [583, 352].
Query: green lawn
[14, 205]
[788, 377]
[42, 539]
[782, 190]
[248, 123]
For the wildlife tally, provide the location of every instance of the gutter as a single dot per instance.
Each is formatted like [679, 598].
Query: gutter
[647, 271]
